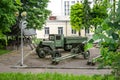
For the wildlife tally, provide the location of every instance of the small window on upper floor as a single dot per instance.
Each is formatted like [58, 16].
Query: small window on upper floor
[46, 30]
[60, 30]
[72, 2]
[73, 31]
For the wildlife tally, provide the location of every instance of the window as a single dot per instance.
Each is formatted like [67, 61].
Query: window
[65, 13]
[60, 30]
[46, 30]
[58, 37]
[77, 1]
[68, 11]
[67, 2]
[73, 2]
[73, 31]
[51, 37]
[66, 7]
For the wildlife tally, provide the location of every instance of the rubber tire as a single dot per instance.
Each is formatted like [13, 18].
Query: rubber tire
[41, 53]
[65, 48]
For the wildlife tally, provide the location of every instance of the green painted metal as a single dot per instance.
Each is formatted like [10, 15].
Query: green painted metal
[65, 57]
[74, 40]
[56, 41]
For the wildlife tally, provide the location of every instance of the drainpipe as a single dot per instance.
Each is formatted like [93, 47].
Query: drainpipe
[66, 27]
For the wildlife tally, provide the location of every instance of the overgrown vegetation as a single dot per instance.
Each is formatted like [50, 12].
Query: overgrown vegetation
[86, 16]
[53, 76]
[11, 15]
[99, 13]
[7, 18]
[108, 32]
[105, 18]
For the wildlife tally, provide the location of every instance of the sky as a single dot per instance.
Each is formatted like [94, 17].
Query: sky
[55, 7]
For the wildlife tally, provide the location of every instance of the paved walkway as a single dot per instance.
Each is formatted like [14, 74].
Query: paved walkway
[63, 71]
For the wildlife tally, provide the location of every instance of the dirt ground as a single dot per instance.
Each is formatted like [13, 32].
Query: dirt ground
[34, 61]
[8, 62]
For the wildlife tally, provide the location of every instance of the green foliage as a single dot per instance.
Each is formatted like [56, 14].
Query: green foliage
[51, 76]
[99, 13]
[7, 18]
[3, 51]
[7, 15]
[86, 14]
[36, 40]
[114, 43]
[76, 16]
[109, 35]
[10, 9]
[37, 12]
[18, 2]
[88, 46]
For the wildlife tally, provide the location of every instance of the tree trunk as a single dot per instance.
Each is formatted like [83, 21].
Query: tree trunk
[79, 33]
[86, 31]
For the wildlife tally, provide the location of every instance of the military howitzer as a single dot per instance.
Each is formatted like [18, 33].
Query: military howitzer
[78, 50]
[56, 41]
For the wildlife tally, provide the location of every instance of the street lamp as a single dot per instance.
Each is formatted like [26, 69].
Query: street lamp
[22, 26]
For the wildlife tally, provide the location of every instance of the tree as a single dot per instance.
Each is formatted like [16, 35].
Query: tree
[111, 55]
[109, 35]
[87, 16]
[37, 13]
[99, 13]
[7, 17]
[76, 16]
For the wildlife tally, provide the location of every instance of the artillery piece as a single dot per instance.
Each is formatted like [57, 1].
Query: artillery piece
[56, 41]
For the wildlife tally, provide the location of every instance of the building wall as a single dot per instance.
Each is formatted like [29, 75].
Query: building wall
[60, 20]
[66, 5]
[53, 28]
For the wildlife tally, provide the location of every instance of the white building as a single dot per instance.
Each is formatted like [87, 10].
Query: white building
[59, 21]
[58, 25]
[66, 4]
[62, 7]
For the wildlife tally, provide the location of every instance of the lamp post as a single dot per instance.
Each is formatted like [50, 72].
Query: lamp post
[22, 26]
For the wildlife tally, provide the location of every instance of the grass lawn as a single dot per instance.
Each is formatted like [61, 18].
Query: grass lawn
[52, 76]
[4, 51]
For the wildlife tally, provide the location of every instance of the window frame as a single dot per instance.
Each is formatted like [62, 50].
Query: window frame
[47, 30]
[60, 30]
[73, 31]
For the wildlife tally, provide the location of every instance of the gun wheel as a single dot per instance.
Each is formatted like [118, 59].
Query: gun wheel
[56, 54]
[86, 55]
[41, 53]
